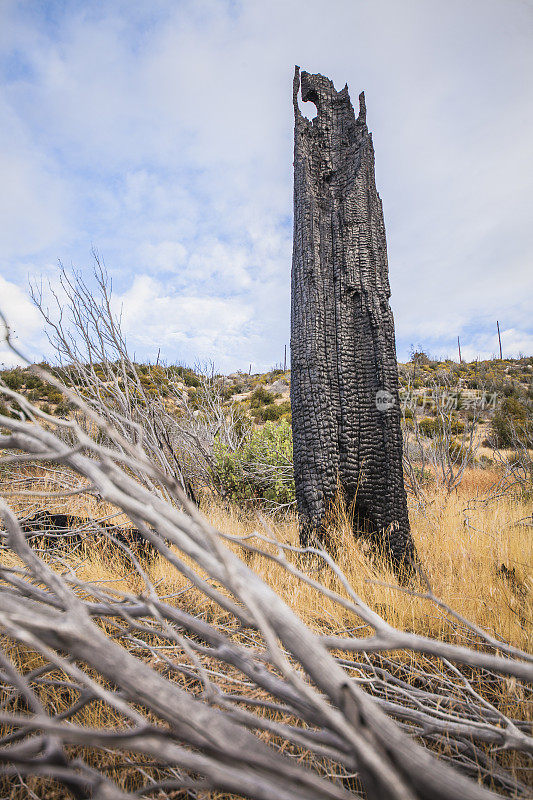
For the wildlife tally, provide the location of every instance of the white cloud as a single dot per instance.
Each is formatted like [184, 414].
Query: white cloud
[200, 328]
[161, 132]
[25, 323]
[486, 345]
[165, 256]
[33, 200]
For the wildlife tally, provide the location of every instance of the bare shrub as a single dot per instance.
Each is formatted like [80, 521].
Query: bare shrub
[173, 415]
[438, 448]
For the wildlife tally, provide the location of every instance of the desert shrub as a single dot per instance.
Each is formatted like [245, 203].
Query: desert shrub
[261, 397]
[419, 356]
[273, 412]
[33, 382]
[44, 392]
[261, 468]
[52, 394]
[63, 409]
[13, 379]
[457, 426]
[433, 426]
[193, 397]
[512, 423]
[229, 391]
[190, 379]
[424, 476]
[459, 452]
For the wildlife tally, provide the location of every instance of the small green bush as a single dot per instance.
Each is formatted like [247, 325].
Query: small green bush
[512, 423]
[190, 379]
[33, 382]
[14, 379]
[433, 427]
[273, 412]
[261, 469]
[63, 409]
[52, 394]
[261, 397]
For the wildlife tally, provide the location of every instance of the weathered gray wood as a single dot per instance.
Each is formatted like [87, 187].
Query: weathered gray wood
[343, 358]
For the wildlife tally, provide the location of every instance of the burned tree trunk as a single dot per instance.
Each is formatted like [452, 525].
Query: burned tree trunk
[344, 378]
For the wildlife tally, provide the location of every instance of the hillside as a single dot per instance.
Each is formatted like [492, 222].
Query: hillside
[478, 387]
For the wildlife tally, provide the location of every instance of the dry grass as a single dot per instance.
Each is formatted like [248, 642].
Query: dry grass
[462, 540]
[462, 551]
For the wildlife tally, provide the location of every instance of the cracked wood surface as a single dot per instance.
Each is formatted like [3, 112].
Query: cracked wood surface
[342, 330]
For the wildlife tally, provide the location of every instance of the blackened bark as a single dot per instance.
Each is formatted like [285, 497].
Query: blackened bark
[343, 355]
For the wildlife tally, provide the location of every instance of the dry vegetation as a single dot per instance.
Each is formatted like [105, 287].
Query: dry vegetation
[258, 702]
[476, 547]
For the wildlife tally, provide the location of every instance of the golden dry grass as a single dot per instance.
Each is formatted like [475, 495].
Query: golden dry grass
[462, 540]
[462, 551]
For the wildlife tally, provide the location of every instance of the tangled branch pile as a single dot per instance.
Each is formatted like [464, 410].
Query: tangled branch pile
[233, 693]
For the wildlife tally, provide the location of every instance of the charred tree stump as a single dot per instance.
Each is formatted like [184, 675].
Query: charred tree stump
[344, 374]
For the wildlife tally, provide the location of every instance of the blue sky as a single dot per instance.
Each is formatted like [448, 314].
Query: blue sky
[161, 133]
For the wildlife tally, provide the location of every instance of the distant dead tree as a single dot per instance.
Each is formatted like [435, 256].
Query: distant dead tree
[344, 375]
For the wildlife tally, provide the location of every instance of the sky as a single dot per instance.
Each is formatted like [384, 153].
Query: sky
[160, 132]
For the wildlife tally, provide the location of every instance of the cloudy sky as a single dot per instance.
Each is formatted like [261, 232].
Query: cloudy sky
[160, 132]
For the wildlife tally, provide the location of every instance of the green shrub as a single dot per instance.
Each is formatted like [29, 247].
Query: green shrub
[261, 397]
[273, 412]
[423, 476]
[52, 394]
[510, 389]
[419, 356]
[13, 379]
[63, 409]
[433, 427]
[33, 382]
[194, 397]
[512, 424]
[459, 452]
[261, 469]
[190, 379]
[428, 427]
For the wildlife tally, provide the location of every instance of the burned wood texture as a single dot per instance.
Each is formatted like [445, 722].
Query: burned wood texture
[344, 376]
